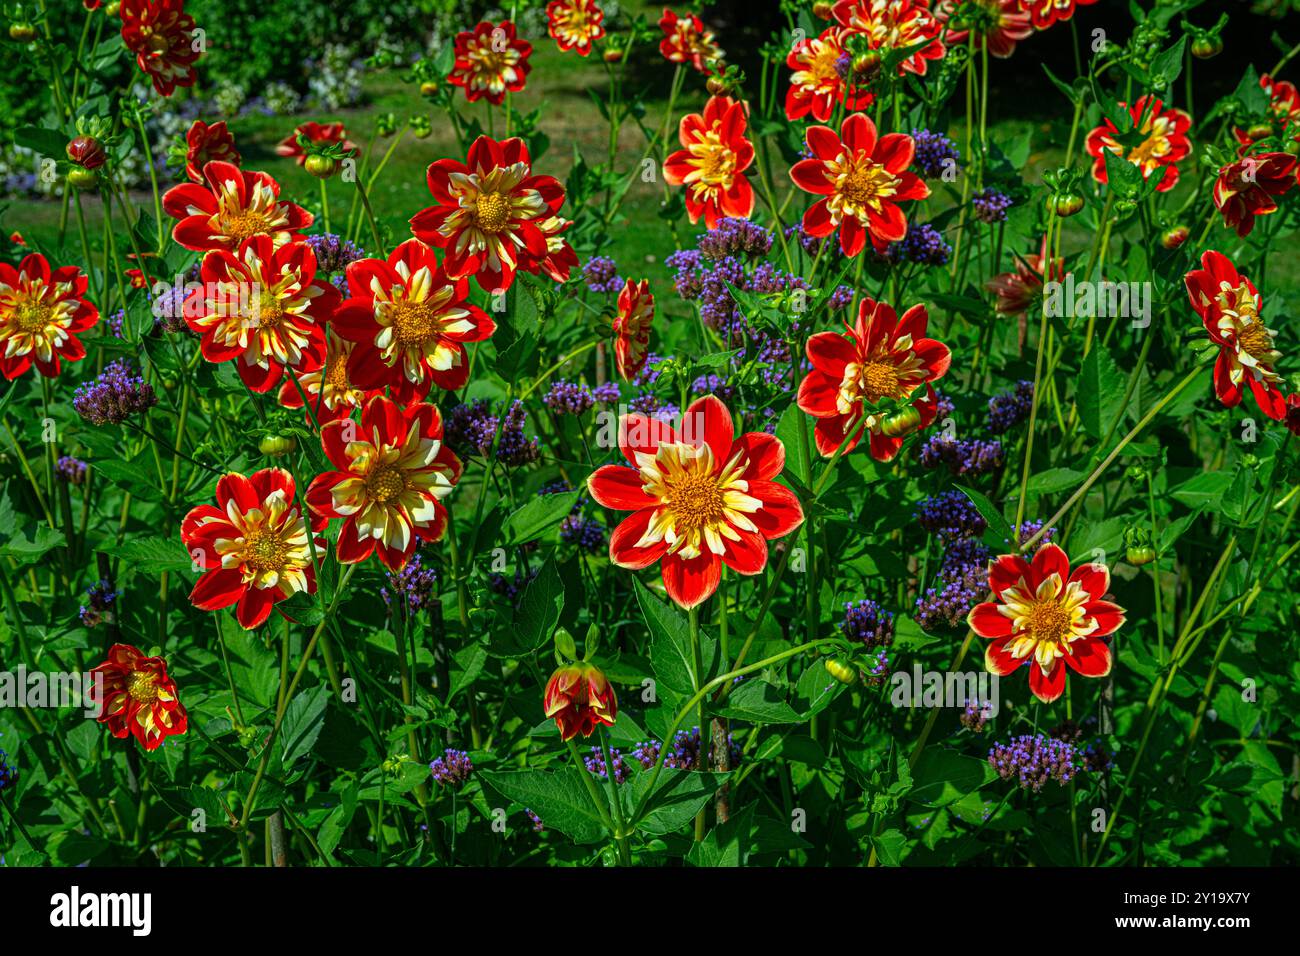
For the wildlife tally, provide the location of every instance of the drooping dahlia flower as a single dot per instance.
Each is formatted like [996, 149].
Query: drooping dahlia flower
[263, 308]
[393, 470]
[1229, 306]
[409, 321]
[229, 206]
[997, 24]
[1046, 617]
[160, 34]
[1245, 188]
[252, 546]
[205, 144]
[321, 134]
[574, 24]
[699, 496]
[712, 163]
[882, 357]
[491, 60]
[579, 697]
[862, 180]
[489, 212]
[636, 313]
[889, 25]
[1164, 143]
[820, 79]
[687, 40]
[137, 698]
[41, 312]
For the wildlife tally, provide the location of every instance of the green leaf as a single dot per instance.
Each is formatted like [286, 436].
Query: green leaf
[1055, 479]
[303, 720]
[537, 516]
[998, 535]
[889, 847]
[49, 143]
[1203, 491]
[942, 776]
[469, 665]
[560, 799]
[1100, 392]
[152, 555]
[758, 702]
[678, 795]
[671, 653]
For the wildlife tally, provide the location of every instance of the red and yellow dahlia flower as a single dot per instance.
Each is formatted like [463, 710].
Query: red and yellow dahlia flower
[687, 40]
[574, 24]
[699, 497]
[205, 144]
[252, 546]
[1245, 188]
[1229, 306]
[862, 179]
[579, 697]
[320, 134]
[489, 213]
[894, 25]
[41, 312]
[1047, 617]
[392, 472]
[1164, 144]
[882, 357]
[160, 34]
[491, 60]
[137, 698]
[636, 313]
[821, 78]
[713, 161]
[264, 308]
[409, 321]
[229, 206]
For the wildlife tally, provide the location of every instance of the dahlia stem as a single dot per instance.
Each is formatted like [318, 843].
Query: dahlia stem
[596, 800]
[620, 834]
[1123, 443]
[325, 205]
[698, 663]
[1038, 386]
[719, 681]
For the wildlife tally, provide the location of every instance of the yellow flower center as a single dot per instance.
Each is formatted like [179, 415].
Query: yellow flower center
[414, 322]
[866, 183]
[877, 379]
[264, 551]
[34, 316]
[386, 483]
[336, 373]
[716, 161]
[1255, 340]
[269, 311]
[1048, 621]
[491, 211]
[142, 686]
[695, 500]
[241, 224]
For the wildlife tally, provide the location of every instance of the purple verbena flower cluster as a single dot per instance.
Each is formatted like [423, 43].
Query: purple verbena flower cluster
[1034, 759]
[100, 598]
[963, 457]
[923, 244]
[72, 470]
[452, 769]
[951, 516]
[596, 764]
[601, 275]
[415, 583]
[472, 426]
[113, 397]
[933, 153]
[991, 206]
[569, 398]
[1009, 408]
[334, 253]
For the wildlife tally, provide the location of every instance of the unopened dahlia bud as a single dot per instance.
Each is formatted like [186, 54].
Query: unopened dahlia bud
[578, 697]
[87, 152]
[1174, 237]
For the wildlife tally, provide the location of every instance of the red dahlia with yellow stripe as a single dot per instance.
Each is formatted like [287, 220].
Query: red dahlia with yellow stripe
[713, 161]
[882, 358]
[579, 697]
[862, 179]
[636, 313]
[817, 84]
[699, 496]
[392, 472]
[1046, 617]
[575, 24]
[264, 308]
[229, 206]
[41, 312]
[252, 546]
[491, 60]
[137, 698]
[490, 212]
[409, 321]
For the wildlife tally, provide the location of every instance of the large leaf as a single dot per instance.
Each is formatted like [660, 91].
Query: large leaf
[560, 799]
[671, 653]
[1100, 392]
[303, 720]
[758, 702]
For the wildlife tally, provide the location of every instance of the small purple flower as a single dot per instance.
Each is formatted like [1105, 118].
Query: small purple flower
[586, 533]
[100, 598]
[8, 773]
[452, 769]
[934, 153]
[975, 716]
[923, 244]
[471, 428]
[537, 821]
[334, 253]
[415, 583]
[569, 398]
[963, 457]
[113, 397]
[1033, 760]
[606, 394]
[72, 470]
[735, 236]
[951, 516]
[601, 275]
[596, 764]
[991, 206]
[1009, 408]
